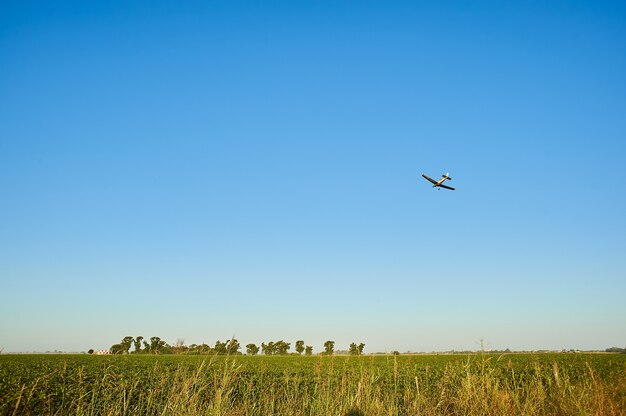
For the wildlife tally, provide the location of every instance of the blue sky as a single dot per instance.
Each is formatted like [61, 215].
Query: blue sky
[211, 169]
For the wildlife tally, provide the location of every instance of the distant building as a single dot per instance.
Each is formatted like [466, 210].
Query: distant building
[103, 352]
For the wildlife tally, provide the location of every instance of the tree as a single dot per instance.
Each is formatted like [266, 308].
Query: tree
[275, 348]
[123, 346]
[329, 347]
[300, 347]
[282, 347]
[180, 347]
[90, 351]
[232, 347]
[126, 343]
[204, 348]
[220, 348]
[252, 349]
[269, 348]
[308, 350]
[360, 347]
[138, 344]
[354, 349]
[158, 346]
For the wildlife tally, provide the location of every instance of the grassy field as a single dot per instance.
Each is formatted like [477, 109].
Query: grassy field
[480, 384]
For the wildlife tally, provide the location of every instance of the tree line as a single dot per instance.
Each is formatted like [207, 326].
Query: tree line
[155, 345]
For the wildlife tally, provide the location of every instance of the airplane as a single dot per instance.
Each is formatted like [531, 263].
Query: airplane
[439, 183]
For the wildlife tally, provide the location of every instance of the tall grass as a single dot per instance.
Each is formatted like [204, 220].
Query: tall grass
[475, 385]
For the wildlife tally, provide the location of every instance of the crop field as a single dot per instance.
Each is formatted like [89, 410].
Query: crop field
[481, 384]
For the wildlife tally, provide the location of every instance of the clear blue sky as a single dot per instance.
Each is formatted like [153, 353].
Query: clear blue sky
[210, 169]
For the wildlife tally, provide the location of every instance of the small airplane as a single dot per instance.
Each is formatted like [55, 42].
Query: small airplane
[439, 183]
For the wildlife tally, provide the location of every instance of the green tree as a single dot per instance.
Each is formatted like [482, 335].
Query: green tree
[90, 351]
[354, 349]
[157, 345]
[282, 347]
[126, 343]
[232, 347]
[329, 347]
[220, 348]
[138, 344]
[117, 349]
[252, 349]
[269, 348]
[308, 350]
[361, 347]
[300, 347]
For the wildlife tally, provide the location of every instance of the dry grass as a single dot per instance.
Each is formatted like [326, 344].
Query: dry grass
[479, 385]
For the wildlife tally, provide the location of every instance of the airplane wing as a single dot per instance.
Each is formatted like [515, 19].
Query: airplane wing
[429, 179]
[447, 187]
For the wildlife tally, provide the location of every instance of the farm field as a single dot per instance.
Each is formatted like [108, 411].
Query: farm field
[485, 384]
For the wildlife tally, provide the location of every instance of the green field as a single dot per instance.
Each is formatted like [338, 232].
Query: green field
[510, 384]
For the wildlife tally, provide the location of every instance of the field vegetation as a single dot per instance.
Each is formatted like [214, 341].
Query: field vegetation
[480, 384]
